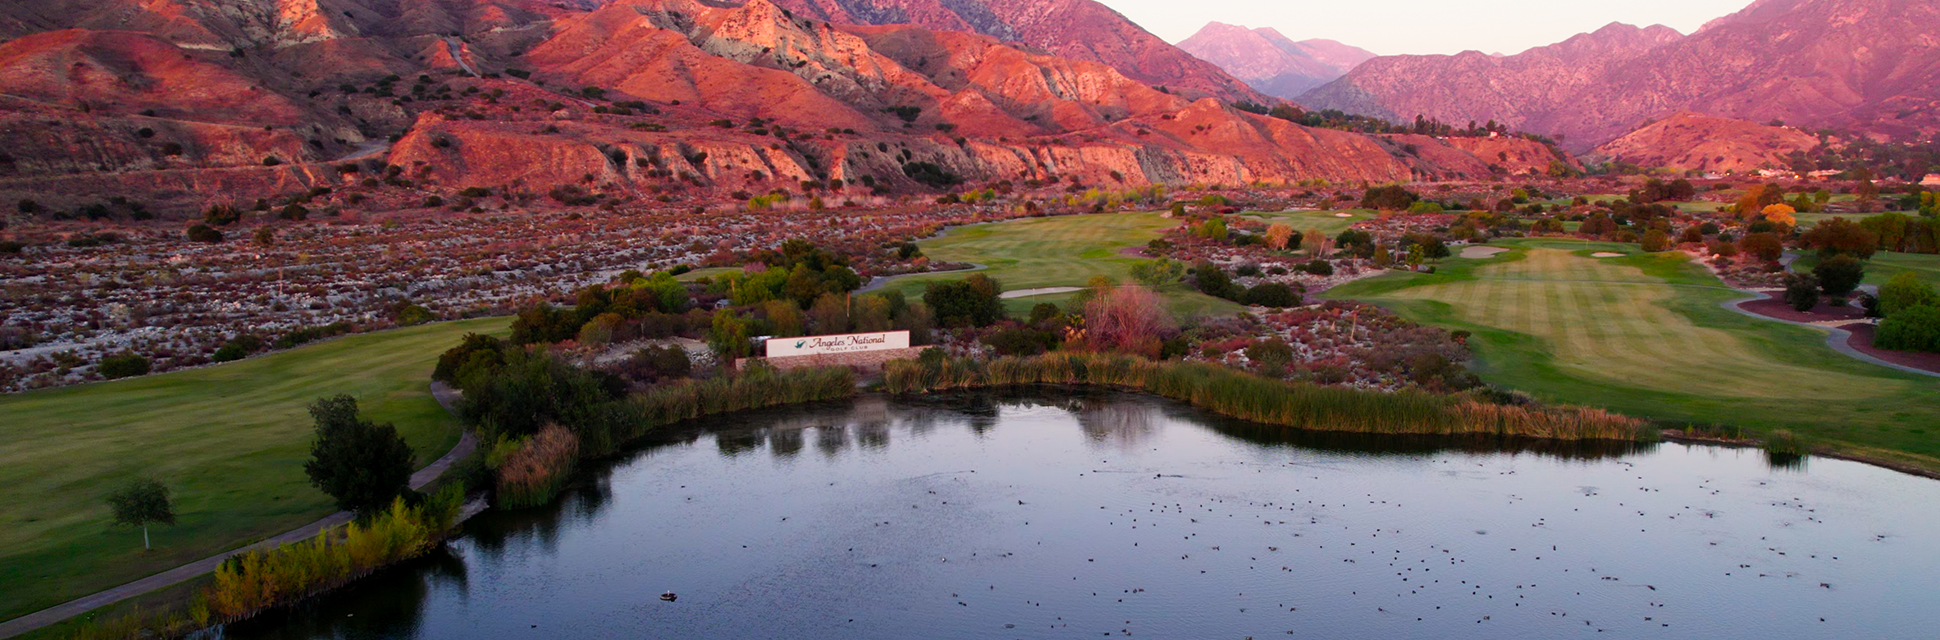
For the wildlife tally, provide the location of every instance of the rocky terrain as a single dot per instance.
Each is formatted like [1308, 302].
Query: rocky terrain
[1694, 142]
[1865, 66]
[182, 106]
[1271, 62]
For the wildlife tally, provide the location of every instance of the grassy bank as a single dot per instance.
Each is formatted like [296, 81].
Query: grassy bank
[228, 440]
[1248, 397]
[1062, 251]
[1646, 335]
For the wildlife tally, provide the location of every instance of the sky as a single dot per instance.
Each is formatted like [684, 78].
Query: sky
[1422, 26]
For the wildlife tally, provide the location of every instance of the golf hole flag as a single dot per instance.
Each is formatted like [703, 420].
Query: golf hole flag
[844, 343]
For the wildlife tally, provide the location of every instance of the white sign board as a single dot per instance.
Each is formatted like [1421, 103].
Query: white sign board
[844, 343]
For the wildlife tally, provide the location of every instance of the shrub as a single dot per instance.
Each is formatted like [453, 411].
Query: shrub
[1318, 267]
[1129, 319]
[534, 473]
[1271, 294]
[364, 465]
[1656, 240]
[1910, 329]
[1021, 341]
[123, 366]
[931, 175]
[200, 232]
[222, 215]
[1160, 272]
[1213, 281]
[256, 580]
[1801, 291]
[1839, 236]
[1905, 291]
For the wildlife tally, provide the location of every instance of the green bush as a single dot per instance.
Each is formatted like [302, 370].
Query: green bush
[1271, 294]
[1905, 291]
[1839, 274]
[123, 366]
[1910, 329]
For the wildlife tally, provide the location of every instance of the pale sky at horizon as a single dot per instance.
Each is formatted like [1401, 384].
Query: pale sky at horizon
[1390, 27]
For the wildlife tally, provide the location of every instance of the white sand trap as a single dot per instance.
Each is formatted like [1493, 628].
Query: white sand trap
[1606, 254]
[1343, 215]
[1481, 252]
[1040, 291]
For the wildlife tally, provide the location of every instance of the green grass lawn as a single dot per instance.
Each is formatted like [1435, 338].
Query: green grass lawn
[709, 272]
[1328, 222]
[1062, 251]
[1644, 334]
[1886, 264]
[228, 440]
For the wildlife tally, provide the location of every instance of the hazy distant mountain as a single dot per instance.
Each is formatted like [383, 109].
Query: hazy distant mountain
[1870, 65]
[1707, 143]
[1271, 62]
[1073, 29]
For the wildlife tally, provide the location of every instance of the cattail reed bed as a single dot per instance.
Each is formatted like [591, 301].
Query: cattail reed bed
[1242, 395]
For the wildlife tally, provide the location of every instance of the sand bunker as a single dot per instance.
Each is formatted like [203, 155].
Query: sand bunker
[1481, 252]
[1040, 291]
[1343, 215]
[1606, 254]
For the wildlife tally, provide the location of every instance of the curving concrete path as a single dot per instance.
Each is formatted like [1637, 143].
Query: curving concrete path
[1835, 338]
[446, 397]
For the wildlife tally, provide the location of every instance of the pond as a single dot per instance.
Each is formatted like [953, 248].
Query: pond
[1056, 513]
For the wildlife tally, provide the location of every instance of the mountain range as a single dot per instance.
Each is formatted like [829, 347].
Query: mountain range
[1271, 62]
[1870, 66]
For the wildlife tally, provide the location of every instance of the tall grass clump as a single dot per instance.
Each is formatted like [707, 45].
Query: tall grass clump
[1784, 442]
[533, 473]
[755, 388]
[1246, 396]
[248, 583]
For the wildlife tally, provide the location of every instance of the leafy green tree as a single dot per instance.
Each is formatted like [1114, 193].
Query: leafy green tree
[1839, 275]
[1801, 291]
[728, 336]
[142, 502]
[971, 302]
[364, 465]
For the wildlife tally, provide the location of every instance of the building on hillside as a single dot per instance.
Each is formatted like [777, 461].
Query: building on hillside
[1932, 180]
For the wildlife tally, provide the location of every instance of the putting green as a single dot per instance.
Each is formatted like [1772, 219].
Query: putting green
[228, 440]
[1062, 251]
[1645, 335]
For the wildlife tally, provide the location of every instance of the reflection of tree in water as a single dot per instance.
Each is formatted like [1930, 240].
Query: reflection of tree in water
[735, 442]
[1399, 444]
[872, 435]
[831, 439]
[1118, 422]
[785, 442]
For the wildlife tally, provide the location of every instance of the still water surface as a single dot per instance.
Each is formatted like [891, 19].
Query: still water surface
[1060, 515]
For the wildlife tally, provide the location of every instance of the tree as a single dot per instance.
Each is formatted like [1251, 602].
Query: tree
[1801, 291]
[142, 502]
[971, 302]
[1764, 245]
[728, 336]
[1388, 198]
[1160, 272]
[1780, 214]
[364, 465]
[1656, 240]
[1839, 275]
[1213, 229]
[1841, 236]
[1278, 236]
[1905, 291]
